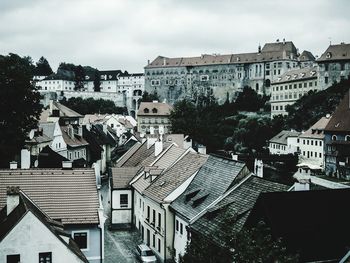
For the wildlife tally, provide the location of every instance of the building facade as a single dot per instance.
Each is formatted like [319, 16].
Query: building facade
[285, 142]
[222, 76]
[290, 87]
[334, 65]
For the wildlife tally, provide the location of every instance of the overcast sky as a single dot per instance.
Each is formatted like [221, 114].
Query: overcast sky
[124, 34]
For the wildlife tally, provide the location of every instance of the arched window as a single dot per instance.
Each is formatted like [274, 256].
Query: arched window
[334, 137]
[146, 110]
[347, 138]
[267, 83]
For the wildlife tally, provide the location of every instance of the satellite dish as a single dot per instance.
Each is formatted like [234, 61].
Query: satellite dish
[31, 134]
[36, 163]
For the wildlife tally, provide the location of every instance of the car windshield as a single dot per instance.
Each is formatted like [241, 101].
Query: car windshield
[147, 253]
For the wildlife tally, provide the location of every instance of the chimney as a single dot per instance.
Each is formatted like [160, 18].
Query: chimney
[70, 131]
[67, 165]
[284, 41]
[151, 130]
[105, 128]
[234, 157]
[259, 49]
[25, 159]
[13, 165]
[12, 200]
[150, 142]
[158, 147]
[148, 62]
[302, 185]
[259, 168]
[202, 149]
[164, 61]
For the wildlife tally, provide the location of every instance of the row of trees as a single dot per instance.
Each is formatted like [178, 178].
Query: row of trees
[92, 106]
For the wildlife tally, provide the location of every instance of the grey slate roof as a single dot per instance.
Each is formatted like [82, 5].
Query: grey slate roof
[214, 178]
[167, 182]
[160, 109]
[164, 161]
[281, 138]
[297, 75]
[139, 155]
[66, 195]
[128, 154]
[306, 56]
[238, 203]
[48, 128]
[270, 52]
[316, 131]
[121, 176]
[340, 121]
[336, 52]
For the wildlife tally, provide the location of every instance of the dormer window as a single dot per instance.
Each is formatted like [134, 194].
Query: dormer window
[146, 110]
[154, 110]
[328, 55]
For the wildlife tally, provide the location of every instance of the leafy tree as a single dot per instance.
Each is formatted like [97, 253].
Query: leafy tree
[20, 105]
[43, 67]
[249, 100]
[147, 97]
[314, 105]
[92, 106]
[79, 77]
[254, 245]
[97, 81]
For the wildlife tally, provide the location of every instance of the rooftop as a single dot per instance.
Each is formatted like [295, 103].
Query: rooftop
[154, 109]
[69, 196]
[282, 137]
[316, 131]
[297, 75]
[336, 52]
[340, 121]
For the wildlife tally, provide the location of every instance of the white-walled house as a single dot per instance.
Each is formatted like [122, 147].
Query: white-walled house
[69, 196]
[312, 144]
[213, 180]
[53, 131]
[122, 196]
[164, 176]
[29, 235]
[285, 142]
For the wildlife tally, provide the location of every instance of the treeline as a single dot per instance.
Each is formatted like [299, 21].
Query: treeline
[228, 127]
[92, 106]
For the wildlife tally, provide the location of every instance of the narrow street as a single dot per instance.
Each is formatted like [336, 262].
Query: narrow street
[120, 246]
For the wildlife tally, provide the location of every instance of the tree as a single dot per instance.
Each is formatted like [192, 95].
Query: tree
[20, 105]
[92, 106]
[97, 81]
[146, 97]
[249, 100]
[79, 77]
[43, 67]
[248, 245]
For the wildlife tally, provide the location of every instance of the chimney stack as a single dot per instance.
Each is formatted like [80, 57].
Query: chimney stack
[150, 141]
[12, 200]
[67, 165]
[13, 165]
[25, 159]
[202, 149]
[158, 147]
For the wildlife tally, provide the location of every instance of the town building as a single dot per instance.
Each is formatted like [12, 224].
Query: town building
[28, 234]
[337, 141]
[334, 65]
[291, 86]
[311, 144]
[68, 196]
[222, 76]
[213, 179]
[285, 142]
[231, 209]
[153, 117]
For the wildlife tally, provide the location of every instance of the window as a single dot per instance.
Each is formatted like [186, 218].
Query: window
[181, 229]
[334, 137]
[81, 238]
[177, 225]
[123, 200]
[13, 258]
[326, 80]
[154, 240]
[153, 216]
[347, 138]
[204, 78]
[158, 245]
[159, 220]
[45, 257]
[148, 213]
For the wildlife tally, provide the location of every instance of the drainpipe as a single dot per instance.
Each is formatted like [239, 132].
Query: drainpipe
[101, 245]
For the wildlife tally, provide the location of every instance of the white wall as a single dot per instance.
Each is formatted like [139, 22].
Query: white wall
[311, 151]
[180, 240]
[116, 199]
[29, 237]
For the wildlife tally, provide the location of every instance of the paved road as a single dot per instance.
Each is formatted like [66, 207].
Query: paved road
[119, 245]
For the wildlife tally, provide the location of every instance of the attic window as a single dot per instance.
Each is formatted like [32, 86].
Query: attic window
[313, 73]
[328, 55]
[154, 110]
[191, 194]
[146, 110]
[197, 201]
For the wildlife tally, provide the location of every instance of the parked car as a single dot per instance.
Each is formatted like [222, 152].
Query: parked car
[145, 254]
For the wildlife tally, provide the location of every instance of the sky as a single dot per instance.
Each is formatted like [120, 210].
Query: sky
[125, 34]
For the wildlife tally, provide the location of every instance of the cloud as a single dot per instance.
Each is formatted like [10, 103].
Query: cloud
[124, 34]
